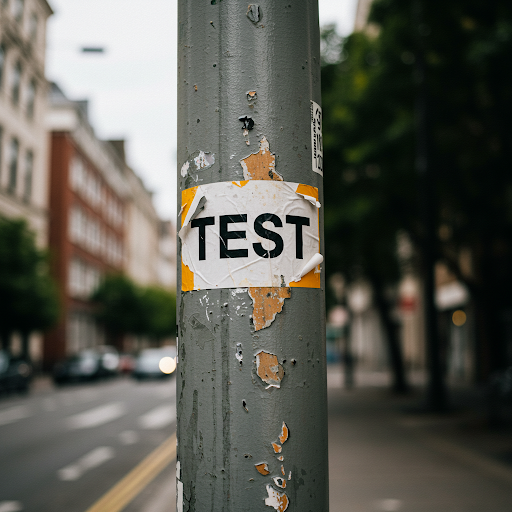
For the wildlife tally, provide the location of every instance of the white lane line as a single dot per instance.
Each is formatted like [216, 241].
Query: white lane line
[13, 414]
[10, 506]
[89, 461]
[159, 417]
[97, 416]
[128, 437]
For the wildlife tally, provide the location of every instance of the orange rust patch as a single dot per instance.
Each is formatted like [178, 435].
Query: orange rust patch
[269, 370]
[277, 448]
[262, 468]
[283, 472]
[261, 165]
[284, 433]
[267, 302]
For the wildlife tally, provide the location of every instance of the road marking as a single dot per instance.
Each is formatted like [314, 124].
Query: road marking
[13, 414]
[158, 418]
[97, 416]
[136, 480]
[10, 506]
[128, 437]
[89, 461]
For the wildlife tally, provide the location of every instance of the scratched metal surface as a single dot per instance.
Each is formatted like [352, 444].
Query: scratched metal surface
[227, 418]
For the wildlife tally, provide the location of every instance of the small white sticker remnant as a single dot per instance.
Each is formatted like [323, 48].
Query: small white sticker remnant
[255, 233]
[317, 147]
[178, 470]
[279, 501]
[204, 160]
[179, 500]
[184, 169]
[238, 354]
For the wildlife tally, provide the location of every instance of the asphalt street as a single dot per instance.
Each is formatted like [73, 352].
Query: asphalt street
[64, 449]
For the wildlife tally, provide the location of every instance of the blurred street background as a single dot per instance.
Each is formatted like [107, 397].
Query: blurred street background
[417, 102]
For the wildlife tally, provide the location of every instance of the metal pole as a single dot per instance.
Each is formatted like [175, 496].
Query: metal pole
[251, 386]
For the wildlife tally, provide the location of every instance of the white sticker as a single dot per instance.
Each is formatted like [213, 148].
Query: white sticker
[317, 146]
[254, 233]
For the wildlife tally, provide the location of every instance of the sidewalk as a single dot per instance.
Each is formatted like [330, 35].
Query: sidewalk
[383, 458]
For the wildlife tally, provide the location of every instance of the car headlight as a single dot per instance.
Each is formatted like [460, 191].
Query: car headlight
[167, 365]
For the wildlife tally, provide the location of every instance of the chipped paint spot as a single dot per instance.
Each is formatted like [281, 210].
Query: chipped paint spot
[262, 468]
[247, 123]
[184, 169]
[285, 432]
[238, 353]
[281, 458]
[279, 501]
[204, 160]
[269, 370]
[244, 405]
[251, 95]
[290, 475]
[254, 13]
[277, 448]
[280, 482]
[283, 472]
[179, 501]
[178, 469]
[261, 165]
[267, 302]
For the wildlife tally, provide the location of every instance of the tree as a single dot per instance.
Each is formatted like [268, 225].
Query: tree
[29, 296]
[123, 307]
[449, 62]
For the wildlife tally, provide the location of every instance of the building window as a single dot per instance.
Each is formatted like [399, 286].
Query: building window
[29, 173]
[13, 165]
[18, 7]
[15, 84]
[2, 64]
[31, 98]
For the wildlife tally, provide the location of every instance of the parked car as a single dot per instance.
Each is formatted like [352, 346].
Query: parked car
[87, 365]
[155, 363]
[15, 373]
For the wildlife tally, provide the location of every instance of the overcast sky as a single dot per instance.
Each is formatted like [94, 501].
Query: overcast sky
[132, 87]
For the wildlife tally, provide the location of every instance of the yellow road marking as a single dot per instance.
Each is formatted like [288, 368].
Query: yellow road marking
[137, 479]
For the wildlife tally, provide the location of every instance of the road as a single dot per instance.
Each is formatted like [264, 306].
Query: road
[66, 449]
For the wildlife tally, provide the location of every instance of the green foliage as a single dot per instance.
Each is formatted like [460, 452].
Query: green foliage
[455, 56]
[123, 307]
[29, 296]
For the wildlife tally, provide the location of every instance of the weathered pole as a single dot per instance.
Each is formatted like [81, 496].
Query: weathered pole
[251, 386]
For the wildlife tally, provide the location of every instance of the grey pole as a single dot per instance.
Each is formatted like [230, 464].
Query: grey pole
[251, 385]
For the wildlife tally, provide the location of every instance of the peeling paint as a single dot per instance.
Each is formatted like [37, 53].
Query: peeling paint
[178, 469]
[247, 123]
[277, 448]
[281, 458]
[290, 475]
[261, 165]
[179, 501]
[285, 432]
[244, 405]
[262, 468]
[238, 353]
[269, 370]
[280, 482]
[315, 260]
[283, 472]
[204, 160]
[279, 501]
[251, 95]
[267, 303]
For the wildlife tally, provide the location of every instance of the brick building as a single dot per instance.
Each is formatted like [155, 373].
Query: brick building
[88, 197]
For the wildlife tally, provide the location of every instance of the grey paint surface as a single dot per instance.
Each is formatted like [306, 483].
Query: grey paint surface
[222, 56]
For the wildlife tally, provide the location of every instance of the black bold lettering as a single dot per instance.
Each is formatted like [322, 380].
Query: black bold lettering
[226, 235]
[201, 224]
[299, 222]
[269, 235]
